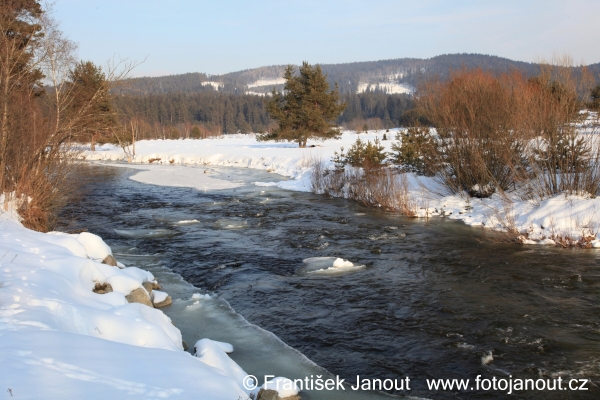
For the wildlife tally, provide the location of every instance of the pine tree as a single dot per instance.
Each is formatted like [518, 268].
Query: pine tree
[413, 149]
[306, 109]
[91, 99]
[360, 154]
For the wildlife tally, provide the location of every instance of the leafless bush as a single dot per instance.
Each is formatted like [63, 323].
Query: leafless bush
[380, 188]
[506, 132]
[318, 176]
[477, 144]
[43, 192]
[375, 124]
[357, 124]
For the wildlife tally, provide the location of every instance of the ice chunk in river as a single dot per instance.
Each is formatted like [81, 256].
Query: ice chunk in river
[327, 266]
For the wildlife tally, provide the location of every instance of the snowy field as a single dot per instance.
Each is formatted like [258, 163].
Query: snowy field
[560, 216]
[61, 340]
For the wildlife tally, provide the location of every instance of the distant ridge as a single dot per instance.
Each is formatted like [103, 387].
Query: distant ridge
[389, 76]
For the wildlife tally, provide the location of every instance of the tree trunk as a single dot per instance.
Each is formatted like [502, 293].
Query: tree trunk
[4, 129]
[94, 142]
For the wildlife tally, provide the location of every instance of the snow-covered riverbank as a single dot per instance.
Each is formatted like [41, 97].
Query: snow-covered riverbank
[547, 222]
[60, 337]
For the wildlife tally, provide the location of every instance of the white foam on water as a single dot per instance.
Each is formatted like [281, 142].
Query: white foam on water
[487, 358]
[188, 222]
[226, 223]
[145, 233]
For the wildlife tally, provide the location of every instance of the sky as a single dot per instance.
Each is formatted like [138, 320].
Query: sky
[220, 36]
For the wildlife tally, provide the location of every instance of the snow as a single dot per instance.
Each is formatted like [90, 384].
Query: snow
[226, 347]
[188, 163]
[341, 263]
[178, 176]
[59, 339]
[94, 246]
[198, 296]
[191, 159]
[388, 87]
[267, 82]
[37, 366]
[138, 274]
[212, 354]
[215, 85]
[88, 244]
[158, 296]
[253, 93]
[559, 216]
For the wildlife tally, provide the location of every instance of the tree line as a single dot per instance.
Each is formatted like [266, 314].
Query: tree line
[174, 114]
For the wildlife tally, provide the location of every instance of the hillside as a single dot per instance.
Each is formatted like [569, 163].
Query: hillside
[388, 76]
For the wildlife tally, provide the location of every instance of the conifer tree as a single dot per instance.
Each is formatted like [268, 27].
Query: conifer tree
[91, 99]
[306, 109]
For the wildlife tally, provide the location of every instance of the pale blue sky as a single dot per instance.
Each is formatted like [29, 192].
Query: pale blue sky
[222, 36]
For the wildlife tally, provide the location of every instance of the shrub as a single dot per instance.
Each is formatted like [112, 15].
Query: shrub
[477, 144]
[414, 149]
[367, 155]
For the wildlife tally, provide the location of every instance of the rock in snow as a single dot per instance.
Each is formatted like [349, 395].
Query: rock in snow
[267, 394]
[139, 295]
[102, 288]
[161, 299]
[149, 286]
[283, 386]
[110, 260]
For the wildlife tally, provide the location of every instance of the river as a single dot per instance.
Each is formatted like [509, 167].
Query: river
[435, 298]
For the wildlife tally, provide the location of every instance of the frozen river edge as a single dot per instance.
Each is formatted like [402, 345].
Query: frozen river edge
[70, 328]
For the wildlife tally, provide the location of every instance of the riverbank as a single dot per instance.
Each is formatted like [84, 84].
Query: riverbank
[561, 220]
[65, 334]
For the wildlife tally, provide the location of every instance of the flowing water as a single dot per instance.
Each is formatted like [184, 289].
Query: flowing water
[423, 298]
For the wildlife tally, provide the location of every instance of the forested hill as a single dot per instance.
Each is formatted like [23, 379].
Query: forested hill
[377, 94]
[387, 76]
